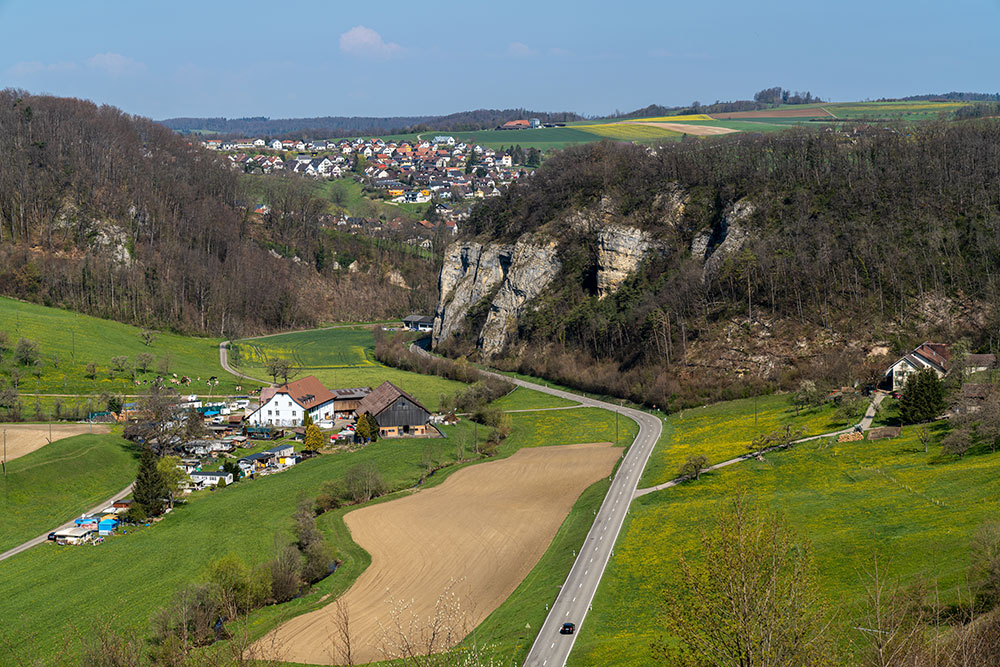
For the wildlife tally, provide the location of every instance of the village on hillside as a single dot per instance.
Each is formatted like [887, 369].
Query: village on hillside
[408, 172]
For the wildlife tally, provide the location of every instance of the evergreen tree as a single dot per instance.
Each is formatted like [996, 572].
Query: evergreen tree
[923, 397]
[150, 489]
[367, 428]
[314, 437]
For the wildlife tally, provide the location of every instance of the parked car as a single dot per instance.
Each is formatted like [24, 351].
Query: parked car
[52, 537]
[567, 628]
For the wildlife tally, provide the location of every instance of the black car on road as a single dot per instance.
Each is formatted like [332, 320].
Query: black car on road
[567, 629]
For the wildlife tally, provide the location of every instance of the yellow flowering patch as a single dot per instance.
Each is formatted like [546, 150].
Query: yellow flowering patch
[674, 119]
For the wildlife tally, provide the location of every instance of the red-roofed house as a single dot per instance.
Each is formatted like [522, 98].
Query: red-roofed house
[288, 404]
[934, 356]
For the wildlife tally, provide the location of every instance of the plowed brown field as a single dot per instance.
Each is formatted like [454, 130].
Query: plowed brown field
[25, 438]
[451, 553]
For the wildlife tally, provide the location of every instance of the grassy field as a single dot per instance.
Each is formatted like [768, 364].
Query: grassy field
[630, 132]
[68, 341]
[567, 427]
[51, 485]
[341, 358]
[529, 399]
[724, 430]
[50, 589]
[848, 499]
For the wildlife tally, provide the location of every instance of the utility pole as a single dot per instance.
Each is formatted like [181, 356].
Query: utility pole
[5, 453]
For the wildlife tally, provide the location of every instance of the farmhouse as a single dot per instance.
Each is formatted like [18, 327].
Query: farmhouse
[934, 356]
[397, 413]
[418, 322]
[288, 404]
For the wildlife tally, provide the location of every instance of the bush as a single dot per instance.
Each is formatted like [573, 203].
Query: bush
[189, 619]
[286, 579]
[238, 588]
[364, 482]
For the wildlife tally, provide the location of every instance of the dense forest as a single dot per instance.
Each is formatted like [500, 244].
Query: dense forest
[118, 216]
[326, 127]
[871, 234]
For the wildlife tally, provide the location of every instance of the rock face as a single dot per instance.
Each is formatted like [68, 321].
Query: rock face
[726, 240]
[509, 275]
[619, 251]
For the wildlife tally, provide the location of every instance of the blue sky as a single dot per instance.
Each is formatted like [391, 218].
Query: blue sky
[295, 58]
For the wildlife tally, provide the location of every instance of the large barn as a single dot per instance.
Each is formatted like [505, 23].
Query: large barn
[398, 414]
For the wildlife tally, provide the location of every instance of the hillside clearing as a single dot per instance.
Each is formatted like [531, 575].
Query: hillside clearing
[477, 536]
[21, 439]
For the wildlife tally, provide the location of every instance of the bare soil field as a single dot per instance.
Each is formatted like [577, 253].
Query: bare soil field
[813, 112]
[25, 438]
[445, 557]
[697, 130]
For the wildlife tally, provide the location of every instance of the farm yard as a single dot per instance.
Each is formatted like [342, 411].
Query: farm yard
[476, 536]
[339, 358]
[848, 499]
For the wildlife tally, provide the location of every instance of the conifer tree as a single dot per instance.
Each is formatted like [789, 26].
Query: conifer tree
[150, 489]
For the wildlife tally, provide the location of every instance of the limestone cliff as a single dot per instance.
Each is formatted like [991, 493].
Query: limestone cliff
[509, 275]
[620, 249]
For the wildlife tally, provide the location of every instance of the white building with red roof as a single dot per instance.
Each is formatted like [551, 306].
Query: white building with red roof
[288, 404]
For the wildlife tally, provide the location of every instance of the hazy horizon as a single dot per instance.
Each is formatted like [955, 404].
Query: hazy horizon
[308, 59]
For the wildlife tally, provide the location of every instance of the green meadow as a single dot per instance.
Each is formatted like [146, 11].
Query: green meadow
[68, 342]
[51, 485]
[529, 399]
[722, 431]
[49, 589]
[340, 358]
[917, 509]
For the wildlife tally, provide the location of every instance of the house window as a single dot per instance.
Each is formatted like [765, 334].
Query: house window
[268, 413]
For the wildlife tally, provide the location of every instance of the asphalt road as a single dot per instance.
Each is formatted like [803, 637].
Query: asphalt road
[577, 592]
[45, 536]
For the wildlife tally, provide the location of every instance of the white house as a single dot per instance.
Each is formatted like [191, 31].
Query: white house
[928, 355]
[259, 143]
[276, 144]
[211, 478]
[288, 404]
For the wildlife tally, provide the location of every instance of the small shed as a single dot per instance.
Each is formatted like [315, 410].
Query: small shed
[107, 526]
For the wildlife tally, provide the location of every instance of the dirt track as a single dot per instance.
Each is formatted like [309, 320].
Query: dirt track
[697, 130]
[462, 547]
[813, 112]
[25, 438]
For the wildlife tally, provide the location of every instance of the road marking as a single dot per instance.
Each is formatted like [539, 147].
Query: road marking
[574, 598]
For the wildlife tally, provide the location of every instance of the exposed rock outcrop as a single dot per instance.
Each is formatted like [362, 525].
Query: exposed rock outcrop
[509, 275]
[728, 239]
[619, 251]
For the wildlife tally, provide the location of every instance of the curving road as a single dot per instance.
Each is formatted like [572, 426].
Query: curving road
[577, 592]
